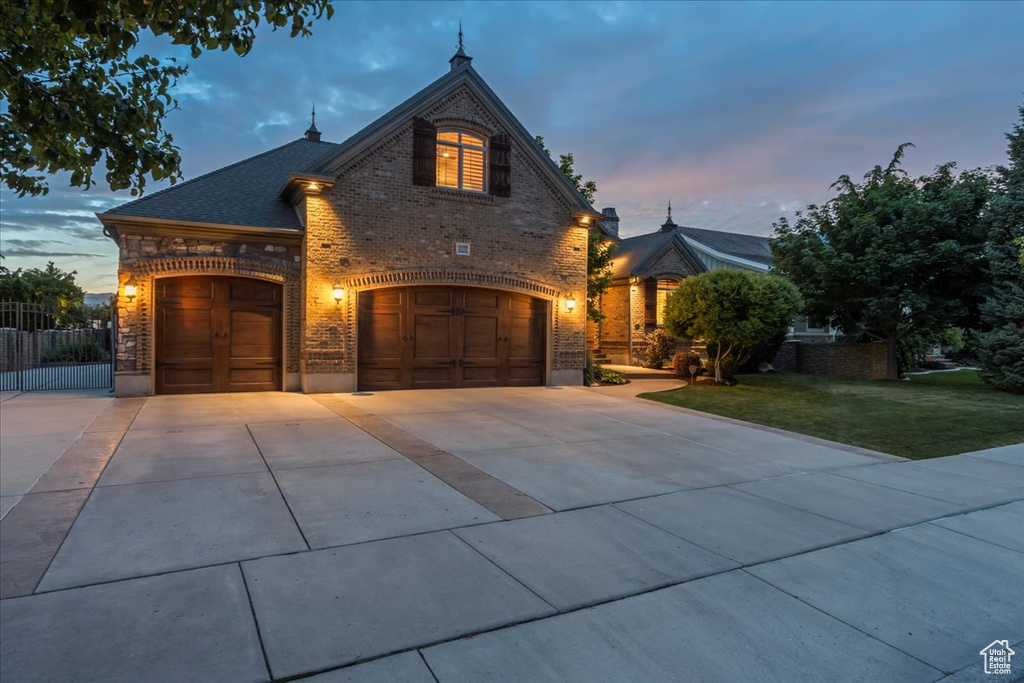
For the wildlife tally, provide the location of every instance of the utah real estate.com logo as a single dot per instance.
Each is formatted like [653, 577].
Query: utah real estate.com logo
[997, 657]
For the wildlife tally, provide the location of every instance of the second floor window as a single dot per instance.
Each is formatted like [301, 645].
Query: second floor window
[461, 160]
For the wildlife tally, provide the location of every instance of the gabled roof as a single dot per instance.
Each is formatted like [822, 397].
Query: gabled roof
[244, 193]
[249, 192]
[459, 76]
[634, 255]
[750, 247]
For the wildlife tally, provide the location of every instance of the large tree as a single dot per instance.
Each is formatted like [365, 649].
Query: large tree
[599, 254]
[78, 93]
[732, 311]
[1000, 343]
[891, 256]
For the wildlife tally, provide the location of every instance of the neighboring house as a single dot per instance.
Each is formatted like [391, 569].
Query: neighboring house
[437, 247]
[647, 268]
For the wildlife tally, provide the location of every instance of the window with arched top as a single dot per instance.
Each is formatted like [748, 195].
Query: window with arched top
[461, 160]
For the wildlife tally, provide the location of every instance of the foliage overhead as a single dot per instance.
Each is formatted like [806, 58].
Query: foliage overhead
[80, 93]
[1000, 343]
[599, 254]
[732, 311]
[890, 256]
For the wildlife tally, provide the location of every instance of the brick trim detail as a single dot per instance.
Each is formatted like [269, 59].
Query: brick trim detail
[400, 278]
[265, 269]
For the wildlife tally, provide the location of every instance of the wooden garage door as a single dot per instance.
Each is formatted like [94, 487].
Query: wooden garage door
[437, 337]
[217, 334]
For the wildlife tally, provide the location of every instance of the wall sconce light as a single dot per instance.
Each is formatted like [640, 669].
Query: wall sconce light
[130, 291]
[339, 293]
[585, 220]
[313, 187]
[570, 303]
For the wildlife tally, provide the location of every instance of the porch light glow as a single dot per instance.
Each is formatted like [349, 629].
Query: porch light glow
[584, 220]
[130, 291]
[313, 187]
[570, 303]
[339, 293]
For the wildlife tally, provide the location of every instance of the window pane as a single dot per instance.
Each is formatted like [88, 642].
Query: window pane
[470, 139]
[447, 166]
[473, 169]
[448, 136]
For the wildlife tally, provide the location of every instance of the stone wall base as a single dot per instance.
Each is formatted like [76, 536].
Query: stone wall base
[329, 383]
[132, 385]
[567, 378]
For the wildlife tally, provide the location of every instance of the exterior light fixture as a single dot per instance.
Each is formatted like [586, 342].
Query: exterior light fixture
[339, 293]
[130, 292]
[570, 303]
[313, 187]
[585, 220]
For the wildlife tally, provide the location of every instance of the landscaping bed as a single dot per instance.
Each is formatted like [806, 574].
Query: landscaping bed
[931, 415]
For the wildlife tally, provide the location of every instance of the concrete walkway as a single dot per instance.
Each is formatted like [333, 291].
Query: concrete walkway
[547, 534]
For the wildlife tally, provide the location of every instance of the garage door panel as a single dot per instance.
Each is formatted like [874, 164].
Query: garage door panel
[380, 335]
[200, 288]
[253, 334]
[482, 299]
[241, 291]
[432, 377]
[431, 296]
[217, 334]
[451, 337]
[480, 337]
[432, 334]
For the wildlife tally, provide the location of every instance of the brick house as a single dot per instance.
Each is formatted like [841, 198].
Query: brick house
[647, 268]
[437, 247]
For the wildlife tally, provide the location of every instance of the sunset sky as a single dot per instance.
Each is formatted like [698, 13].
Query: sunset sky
[739, 113]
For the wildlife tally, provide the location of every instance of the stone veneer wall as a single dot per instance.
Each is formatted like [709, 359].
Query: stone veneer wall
[374, 228]
[853, 361]
[144, 258]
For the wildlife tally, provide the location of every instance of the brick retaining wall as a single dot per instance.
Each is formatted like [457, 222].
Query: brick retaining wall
[854, 361]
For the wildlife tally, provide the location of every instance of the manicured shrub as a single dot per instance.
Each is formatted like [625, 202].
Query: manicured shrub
[660, 345]
[81, 351]
[681, 363]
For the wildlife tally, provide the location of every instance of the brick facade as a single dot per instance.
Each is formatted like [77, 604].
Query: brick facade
[374, 228]
[371, 228]
[853, 361]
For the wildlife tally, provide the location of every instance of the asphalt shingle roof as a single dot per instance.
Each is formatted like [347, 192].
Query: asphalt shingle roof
[632, 252]
[751, 247]
[244, 193]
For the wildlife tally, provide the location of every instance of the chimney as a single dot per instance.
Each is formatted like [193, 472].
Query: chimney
[610, 222]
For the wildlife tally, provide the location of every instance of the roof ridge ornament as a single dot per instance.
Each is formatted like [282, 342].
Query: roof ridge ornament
[460, 57]
[669, 224]
[312, 133]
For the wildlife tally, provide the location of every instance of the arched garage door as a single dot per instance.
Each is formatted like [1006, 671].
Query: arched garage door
[217, 334]
[438, 337]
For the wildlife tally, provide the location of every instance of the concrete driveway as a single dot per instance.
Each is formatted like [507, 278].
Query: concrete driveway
[546, 534]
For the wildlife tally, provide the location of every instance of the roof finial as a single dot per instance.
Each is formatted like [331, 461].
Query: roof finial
[460, 56]
[312, 134]
[669, 224]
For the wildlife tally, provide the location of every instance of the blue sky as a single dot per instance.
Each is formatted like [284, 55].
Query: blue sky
[738, 112]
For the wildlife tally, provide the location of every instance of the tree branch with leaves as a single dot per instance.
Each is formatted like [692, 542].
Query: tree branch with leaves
[78, 96]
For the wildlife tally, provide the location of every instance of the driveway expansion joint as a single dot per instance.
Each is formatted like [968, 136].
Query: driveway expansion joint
[482, 488]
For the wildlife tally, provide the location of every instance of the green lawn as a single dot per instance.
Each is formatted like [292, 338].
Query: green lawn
[929, 416]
